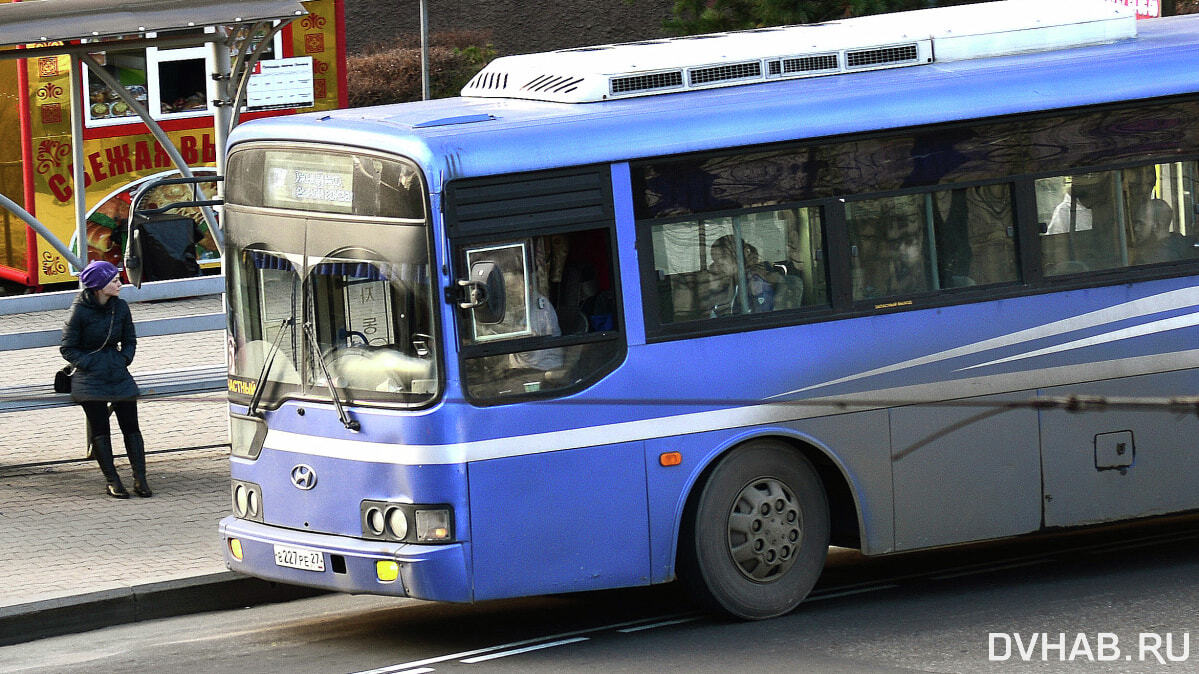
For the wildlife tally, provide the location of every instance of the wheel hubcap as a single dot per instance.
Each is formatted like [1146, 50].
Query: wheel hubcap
[765, 530]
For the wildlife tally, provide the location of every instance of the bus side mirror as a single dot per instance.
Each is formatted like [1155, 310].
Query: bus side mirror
[133, 257]
[484, 292]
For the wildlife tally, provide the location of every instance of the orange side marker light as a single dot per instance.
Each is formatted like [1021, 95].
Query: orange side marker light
[668, 459]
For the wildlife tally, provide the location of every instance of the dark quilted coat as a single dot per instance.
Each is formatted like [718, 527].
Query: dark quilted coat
[103, 374]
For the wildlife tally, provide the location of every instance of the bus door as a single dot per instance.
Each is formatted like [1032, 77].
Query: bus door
[539, 323]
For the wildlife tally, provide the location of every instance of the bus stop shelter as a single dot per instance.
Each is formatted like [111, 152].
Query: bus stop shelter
[82, 28]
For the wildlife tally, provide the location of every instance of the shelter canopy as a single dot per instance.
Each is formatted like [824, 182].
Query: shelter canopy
[66, 20]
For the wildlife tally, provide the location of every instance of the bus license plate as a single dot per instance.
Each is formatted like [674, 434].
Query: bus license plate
[299, 558]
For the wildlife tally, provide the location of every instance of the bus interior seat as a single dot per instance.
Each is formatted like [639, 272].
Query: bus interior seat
[685, 298]
[571, 319]
[790, 293]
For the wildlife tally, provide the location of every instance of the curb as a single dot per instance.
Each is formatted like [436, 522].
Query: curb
[106, 608]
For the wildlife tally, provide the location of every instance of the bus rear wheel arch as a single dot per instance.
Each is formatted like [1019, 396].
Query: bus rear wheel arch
[756, 533]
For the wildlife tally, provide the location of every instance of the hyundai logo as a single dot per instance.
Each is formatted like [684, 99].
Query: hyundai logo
[303, 477]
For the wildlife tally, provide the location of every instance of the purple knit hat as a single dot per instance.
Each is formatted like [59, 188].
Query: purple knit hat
[97, 274]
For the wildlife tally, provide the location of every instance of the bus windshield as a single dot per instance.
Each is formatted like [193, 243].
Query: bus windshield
[371, 318]
[324, 300]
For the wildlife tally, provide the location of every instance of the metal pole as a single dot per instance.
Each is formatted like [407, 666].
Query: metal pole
[78, 197]
[424, 51]
[226, 99]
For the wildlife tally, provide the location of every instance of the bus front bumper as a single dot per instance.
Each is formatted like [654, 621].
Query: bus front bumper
[433, 572]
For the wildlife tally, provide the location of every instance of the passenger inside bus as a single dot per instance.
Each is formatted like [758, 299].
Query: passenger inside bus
[1155, 242]
[1082, 232]
[745, 284]
[1110, 219]
[701, 275]
[543, 321]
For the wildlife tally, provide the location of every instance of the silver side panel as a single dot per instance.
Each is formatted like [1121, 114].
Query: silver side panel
[980, 481]
[1161, 451]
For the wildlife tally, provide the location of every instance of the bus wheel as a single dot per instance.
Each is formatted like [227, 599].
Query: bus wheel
[756, 537]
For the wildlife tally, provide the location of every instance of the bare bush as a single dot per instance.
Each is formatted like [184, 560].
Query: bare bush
[390, 73]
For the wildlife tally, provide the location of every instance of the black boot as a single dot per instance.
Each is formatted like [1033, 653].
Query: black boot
[91, 454]
[135, 449]
[102, 448]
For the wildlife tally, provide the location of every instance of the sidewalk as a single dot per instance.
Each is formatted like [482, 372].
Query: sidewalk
[76, 559]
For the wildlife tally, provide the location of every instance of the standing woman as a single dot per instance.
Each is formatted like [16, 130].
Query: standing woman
[98, 339]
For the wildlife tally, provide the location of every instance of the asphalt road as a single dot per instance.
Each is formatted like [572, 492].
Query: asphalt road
[1120, 599]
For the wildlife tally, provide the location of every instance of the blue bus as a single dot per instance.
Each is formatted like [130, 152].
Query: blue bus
[699, 308]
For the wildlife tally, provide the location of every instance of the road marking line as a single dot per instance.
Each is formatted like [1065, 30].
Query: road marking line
[526, 649]
[661, 624]
[422, 670]
[397, 669]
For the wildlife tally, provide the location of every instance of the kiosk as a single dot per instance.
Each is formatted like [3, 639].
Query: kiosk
[97, 97]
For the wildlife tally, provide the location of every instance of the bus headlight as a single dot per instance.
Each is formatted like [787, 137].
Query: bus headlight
[397, 523]
[247, 500]
[241, 498]
[374, 520]
[407, 522]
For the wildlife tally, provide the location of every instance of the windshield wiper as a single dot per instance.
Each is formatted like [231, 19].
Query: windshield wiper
[346, 421]
[252, 410]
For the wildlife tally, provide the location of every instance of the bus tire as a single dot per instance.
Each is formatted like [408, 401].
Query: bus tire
[756, 537]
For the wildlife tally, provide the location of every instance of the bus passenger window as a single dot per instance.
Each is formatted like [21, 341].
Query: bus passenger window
[1162, 213]
[745, 264]
[889, 246]
[1081, 227]
[975, 235]
[555, 286]
[932, 241]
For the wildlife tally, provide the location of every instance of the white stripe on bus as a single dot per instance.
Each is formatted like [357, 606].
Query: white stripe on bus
[1146, 306]
[713, 420]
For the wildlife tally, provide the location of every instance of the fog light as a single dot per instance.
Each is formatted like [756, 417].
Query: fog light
[397, 523]
[252, 502]
[432, 525]
[241, 497]
[235, 548]
[374, 521]
[387, 571]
